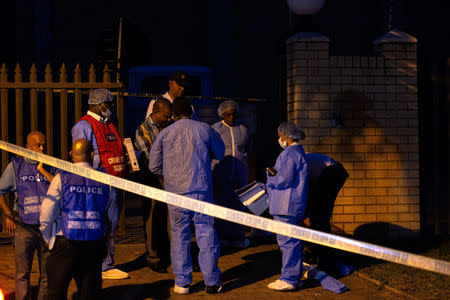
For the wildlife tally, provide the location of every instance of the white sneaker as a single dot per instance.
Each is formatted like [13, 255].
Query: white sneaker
[114, 274]
[241, 244]
[181, 290]
[282, 286]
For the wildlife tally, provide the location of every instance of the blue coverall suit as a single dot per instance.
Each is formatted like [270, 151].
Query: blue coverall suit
[231, 173]
[288, 195]
[181, 154]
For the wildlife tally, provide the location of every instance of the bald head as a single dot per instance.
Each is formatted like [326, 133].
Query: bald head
[82, 151]
[36, 141]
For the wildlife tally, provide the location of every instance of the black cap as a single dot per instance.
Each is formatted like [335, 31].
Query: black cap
[180, 77]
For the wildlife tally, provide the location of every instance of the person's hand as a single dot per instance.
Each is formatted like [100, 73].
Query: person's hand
[10, 226]
[40, 167]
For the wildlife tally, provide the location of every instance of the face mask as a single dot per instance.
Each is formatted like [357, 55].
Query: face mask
[283, 144]
[106, 113]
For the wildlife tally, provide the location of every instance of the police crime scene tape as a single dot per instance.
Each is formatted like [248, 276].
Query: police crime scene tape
[302, 233]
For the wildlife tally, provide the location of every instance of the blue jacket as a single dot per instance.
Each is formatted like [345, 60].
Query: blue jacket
[32, 187]
[181, 154]
[234, 167]
[288, 190]
[83, 207]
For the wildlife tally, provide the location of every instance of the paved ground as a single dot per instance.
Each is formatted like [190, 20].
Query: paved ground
[245, 275]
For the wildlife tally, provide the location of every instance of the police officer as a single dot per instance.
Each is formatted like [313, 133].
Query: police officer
[97, 128]
[29, 181]
[74, 219]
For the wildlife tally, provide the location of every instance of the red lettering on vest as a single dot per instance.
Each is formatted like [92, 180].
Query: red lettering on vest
[109, 149]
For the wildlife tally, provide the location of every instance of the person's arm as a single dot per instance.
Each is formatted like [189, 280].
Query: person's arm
[50, 208]
[7, 184]
[82, 130]
[44, 172]
[286, 167]
[217, 145]
[155, 163]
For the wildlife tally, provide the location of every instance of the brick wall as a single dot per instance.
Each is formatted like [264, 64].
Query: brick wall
[376, 99]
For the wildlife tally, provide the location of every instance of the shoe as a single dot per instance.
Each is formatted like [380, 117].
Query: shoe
[213, 289]
[182, 290]
[114, 274]
[282, 286]
[241, 244]
[156, 267]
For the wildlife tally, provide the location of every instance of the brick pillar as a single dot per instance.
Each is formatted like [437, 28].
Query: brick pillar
[307, 70]
[400, 55]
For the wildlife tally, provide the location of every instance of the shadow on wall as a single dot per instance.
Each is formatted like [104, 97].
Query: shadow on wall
[368, 144]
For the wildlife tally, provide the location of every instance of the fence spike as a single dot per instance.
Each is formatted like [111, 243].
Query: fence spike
[18, 73]
[63, 73]
[33, 73]
[3, 74]
[77, 77]
[92, 77]
[48, 73]
[106, 75]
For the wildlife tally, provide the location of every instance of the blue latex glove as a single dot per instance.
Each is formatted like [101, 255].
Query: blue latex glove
[333, 285]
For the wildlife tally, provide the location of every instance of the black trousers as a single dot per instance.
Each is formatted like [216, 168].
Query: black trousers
[156, 219]
[81, 260]
[320, 208]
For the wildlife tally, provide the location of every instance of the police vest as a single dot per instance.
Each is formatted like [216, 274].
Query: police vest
[32, 187]
[83, 207]
[109, 145]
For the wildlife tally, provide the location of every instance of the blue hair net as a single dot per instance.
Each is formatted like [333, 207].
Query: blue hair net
[291, 130]
[227, 105]
[99, 96]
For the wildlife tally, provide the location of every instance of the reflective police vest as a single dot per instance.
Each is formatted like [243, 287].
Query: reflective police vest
[83, 207]
[31, 187]
[109, 145]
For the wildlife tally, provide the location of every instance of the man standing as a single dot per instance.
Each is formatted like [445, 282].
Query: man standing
[29, 181]
[181, 154]
[73, 222]
[97, 128]
[154, 212]
[177, 83]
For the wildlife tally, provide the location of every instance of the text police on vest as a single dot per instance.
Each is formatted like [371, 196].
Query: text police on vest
[85, 189]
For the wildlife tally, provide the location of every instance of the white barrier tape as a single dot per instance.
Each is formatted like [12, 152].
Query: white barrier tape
[247, 219]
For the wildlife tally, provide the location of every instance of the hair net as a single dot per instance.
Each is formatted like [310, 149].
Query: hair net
[291, 130]
[227, 105]
[99, 96]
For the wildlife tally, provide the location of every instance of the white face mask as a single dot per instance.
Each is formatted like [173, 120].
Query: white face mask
[283, 144]
[106, 113]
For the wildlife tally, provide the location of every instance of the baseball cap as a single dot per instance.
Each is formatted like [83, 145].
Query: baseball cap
[180, 77]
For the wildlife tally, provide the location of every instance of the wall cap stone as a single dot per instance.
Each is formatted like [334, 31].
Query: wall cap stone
[395, 36]
[308, 37]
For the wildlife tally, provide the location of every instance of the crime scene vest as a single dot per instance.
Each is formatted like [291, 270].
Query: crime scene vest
[109, 145]
[32, 187]
[83, 207]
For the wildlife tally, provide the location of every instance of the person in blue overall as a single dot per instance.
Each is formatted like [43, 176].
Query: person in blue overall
[182, 154]
[231, 173]
[288, 196]
[74, 223]
[29, 180]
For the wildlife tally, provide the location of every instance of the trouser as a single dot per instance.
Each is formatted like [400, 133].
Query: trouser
[81, 260]
[224, 196]
[180, 220]
[108, 261]
[291, 260]
[27, 239]
[156, 232]
[321, 202]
